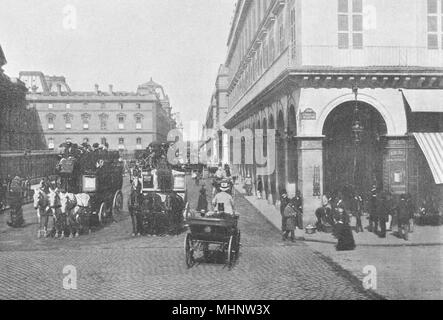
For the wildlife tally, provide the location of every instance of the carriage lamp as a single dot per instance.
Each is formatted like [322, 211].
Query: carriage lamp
[357, 127]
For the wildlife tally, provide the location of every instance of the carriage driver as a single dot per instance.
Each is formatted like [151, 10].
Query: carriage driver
[223, 201]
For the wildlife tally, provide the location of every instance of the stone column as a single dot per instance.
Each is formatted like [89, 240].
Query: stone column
[310, 175]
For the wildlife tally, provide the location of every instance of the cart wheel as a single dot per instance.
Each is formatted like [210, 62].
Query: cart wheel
[189, 252]
[231, 253]
[237, 249]
[117, 204]
[102, 214]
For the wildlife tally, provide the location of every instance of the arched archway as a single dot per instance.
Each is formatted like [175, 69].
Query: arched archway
[349, 165]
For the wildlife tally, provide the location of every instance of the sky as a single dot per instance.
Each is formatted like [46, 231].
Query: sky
[179, 43]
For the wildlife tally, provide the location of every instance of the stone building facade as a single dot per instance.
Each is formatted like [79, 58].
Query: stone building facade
[215, 138]
[353, 89]
[127, 121]
[20, 128]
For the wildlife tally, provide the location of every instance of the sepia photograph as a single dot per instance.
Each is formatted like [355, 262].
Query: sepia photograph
[221, 154]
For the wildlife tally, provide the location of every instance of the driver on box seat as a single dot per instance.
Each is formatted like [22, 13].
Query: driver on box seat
[223, 201]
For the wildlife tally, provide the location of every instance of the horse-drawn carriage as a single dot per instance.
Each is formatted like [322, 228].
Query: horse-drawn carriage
[216, 233]
[158, 198]
[87, 192]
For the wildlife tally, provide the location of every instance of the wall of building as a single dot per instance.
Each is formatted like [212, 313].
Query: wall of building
[394, 34]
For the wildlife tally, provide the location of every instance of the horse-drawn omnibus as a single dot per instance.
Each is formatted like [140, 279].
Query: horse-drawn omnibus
[158, 198]
[98, 174]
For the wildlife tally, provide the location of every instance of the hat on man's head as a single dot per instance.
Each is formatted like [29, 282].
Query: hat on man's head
[224, 186]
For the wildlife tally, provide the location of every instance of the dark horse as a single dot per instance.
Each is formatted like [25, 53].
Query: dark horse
[174, 206]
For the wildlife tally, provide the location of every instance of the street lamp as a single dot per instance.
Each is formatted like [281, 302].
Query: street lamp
[357, 127]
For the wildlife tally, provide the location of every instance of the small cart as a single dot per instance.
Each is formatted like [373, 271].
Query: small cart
[217, 232]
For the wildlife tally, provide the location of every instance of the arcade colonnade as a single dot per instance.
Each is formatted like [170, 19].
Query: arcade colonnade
[299, 117]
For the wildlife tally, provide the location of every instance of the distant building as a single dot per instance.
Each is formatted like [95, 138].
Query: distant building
[20, 127]
[353, 89]
[126, 121]
[216, 144]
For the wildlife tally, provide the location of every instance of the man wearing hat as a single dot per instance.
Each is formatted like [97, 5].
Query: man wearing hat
[403, 215]
[223, 202]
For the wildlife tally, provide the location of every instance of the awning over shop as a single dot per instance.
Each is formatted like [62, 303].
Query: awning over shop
[432, 146]
[424, 100]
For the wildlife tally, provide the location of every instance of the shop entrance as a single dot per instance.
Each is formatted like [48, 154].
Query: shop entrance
[353, 155]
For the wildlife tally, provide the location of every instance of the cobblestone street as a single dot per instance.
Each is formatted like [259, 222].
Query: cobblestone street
[113, 265]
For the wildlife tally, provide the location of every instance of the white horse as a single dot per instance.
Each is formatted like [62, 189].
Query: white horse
[76, 208]
[41, 204]
[59, 217]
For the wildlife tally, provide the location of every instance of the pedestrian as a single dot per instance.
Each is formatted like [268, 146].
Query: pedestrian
[343, 232]
[403, 215]
[358, 212]
[373, 210]
[284, 201]
[290, 214]
[202, 205]
[411, 209]
[259, 188]
[382, 214]
[298, 201]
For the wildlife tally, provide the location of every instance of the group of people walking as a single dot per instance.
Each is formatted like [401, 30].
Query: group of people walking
[381, 207]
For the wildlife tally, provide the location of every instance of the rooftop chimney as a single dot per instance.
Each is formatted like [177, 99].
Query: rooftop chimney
[111, 89]
[96, 89]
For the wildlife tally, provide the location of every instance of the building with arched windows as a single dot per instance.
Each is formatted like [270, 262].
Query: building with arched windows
[350, 90]
[127, 121]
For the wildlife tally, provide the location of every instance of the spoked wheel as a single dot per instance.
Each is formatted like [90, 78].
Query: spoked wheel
[102, 214]
[231, 252]
[189, 251]
[237, 249]
[117, 204]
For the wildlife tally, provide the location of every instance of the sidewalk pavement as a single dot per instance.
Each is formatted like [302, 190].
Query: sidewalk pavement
[422, 236]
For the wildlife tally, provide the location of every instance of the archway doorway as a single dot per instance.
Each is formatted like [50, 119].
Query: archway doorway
[350, 166]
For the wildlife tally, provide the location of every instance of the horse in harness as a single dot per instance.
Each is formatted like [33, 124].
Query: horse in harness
[174, 206]
[59, 218]
[41, 204]
[76, 209]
